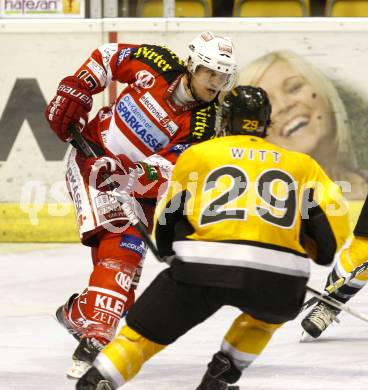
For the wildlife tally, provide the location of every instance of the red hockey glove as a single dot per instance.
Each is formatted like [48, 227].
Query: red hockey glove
[72, 103]
[116, 168]
[148, 181]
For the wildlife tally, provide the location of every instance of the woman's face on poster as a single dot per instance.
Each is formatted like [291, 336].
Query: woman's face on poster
[301, 119]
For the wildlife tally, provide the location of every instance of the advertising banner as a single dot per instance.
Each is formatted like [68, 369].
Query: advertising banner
[313, 71]
[42, 8]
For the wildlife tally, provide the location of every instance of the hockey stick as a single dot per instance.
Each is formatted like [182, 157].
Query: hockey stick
[338, 284]
[335, 303]
[122, 196]
[345, 279]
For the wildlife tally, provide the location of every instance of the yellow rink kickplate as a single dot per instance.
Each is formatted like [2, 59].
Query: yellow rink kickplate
[38, 223]
[51, 222]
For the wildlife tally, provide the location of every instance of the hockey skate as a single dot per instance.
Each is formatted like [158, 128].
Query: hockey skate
[320, 317]
[93, 380]
[62, 316]
[219, 374]
[84, 356]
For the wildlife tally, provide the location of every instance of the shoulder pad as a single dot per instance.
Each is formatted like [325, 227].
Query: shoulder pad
[161, 59]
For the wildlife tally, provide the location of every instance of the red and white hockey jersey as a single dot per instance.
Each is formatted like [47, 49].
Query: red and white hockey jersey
[144, 121]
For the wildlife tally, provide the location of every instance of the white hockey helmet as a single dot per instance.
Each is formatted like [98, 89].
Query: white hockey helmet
[215, 52]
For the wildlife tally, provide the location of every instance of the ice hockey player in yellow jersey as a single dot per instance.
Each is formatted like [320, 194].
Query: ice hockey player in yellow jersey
[239, 226]
[354, 255]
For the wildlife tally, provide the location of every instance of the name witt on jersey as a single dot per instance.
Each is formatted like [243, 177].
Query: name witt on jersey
[254, 154]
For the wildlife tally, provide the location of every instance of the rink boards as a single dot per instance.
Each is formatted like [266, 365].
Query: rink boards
[17, 226]
[34, 203]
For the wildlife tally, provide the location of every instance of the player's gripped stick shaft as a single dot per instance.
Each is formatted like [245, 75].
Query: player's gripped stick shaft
[338, 284]
[343, 280]
[337, 304]
[122, 196]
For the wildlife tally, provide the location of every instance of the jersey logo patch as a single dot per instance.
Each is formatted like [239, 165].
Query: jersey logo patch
[107, 51]
[98, 71]
[144, 79]
[158, 113]
[133, 243]
[203, 122]
[137, 122]
[162, 60]
[123, 280]
[123, 54]
[179, 148]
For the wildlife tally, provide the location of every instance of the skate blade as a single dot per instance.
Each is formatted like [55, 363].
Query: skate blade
[78, 369]
[233, 388]
[306, 338]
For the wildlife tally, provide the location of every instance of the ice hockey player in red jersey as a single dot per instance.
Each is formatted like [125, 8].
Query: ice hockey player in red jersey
[166, 106]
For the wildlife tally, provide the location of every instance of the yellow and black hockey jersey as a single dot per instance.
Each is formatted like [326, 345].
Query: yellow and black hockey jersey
[239, 208]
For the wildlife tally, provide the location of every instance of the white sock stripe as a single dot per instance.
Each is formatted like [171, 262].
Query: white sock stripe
[340, 272]
[217, 253]
[108, 370]
[243, 359]
[355, 283]
[108, 292]
[241, 364]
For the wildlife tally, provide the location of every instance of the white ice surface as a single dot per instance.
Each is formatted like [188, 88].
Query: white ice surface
[35, 351]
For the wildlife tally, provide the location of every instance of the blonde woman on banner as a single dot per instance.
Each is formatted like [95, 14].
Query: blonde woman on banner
[308, 115]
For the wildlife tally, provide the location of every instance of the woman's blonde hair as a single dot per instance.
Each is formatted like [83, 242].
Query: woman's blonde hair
[252, 72]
